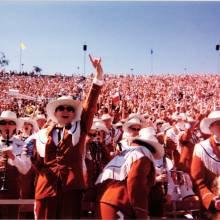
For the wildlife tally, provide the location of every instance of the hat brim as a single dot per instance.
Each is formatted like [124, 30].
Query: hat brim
[12, 119]
[32, 122]
[205, 124]
[156, 145]
[129, 124]
[99, 128]
[51, 107]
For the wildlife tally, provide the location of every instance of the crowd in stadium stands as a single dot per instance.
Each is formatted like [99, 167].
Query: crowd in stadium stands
[138, 146]
[153, 95]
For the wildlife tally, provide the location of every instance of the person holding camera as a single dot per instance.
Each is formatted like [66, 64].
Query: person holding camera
[97, 154]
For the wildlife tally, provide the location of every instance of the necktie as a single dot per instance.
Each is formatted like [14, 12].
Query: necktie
[59, 132]
[7, 142]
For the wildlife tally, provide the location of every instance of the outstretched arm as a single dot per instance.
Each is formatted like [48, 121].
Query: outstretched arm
[89, 106]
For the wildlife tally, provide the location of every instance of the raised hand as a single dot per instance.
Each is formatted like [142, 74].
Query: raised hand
[97, 65]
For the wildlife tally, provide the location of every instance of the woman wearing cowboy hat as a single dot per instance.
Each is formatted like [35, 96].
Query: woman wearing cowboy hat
[124, 184]
[11, 148]
[28, 128]
[58, 158]
[206, 162]
[133, 124]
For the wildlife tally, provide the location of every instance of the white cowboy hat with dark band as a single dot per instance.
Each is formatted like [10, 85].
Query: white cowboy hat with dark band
[11, 116]
[29, 121]
[206, 122]
[136, 115]
[99, 126]
[157, 149]
[106, 117]
[66, 101]
[132, 121]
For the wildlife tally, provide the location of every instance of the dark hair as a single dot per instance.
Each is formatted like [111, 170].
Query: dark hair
[144, 144]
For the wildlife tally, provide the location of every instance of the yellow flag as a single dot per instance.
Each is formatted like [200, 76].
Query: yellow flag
[22, 46]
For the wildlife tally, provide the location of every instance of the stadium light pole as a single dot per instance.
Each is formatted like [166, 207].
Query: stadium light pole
[84, 58]
[218, 61]
[22, 67]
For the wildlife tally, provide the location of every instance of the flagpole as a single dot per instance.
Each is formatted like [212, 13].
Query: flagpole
[151, 65]
[20, 56]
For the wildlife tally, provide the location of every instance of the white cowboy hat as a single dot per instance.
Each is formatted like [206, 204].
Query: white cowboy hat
[136, 115]
[165, 127]
[149, 130]
[64, 100]
[159, 121]
[99, 126]
[118, 124]
[132, 121]
[9, 115]
[152, 141]
[206, 122]
[181, 116]
[106, 117]
[29, 121]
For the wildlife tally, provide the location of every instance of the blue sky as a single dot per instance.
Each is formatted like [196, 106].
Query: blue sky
[182, 35]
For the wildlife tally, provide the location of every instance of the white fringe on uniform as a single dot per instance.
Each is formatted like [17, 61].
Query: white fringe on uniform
[119, 167]
[204, 151]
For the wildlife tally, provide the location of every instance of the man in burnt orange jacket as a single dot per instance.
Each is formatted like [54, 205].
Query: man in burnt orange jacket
[205, 166]
[123, 186]
[59, 155]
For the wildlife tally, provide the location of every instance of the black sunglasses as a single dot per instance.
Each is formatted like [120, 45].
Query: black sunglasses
[91, 134]
[62, 108]
[7, 122]
[135, 129]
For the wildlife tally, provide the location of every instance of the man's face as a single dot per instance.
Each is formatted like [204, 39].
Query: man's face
[134, 130]
[7, 127]
[65, 114]
[215, 128]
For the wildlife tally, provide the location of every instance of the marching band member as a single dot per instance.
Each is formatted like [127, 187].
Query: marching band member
[131, 128]
[28, 128]
[59, 154]
[123, 186]
[206, 162]
[97, 154]
[113, 134]
[11, 163]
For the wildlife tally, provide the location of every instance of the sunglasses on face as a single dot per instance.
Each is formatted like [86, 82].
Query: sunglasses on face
[91, 134]
[7, 122]
[62, 108]
[135, 129]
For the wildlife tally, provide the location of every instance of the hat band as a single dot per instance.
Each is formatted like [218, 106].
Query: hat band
[144, 144]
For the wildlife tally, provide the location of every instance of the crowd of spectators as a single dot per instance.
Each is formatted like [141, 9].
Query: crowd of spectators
[157, 96]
